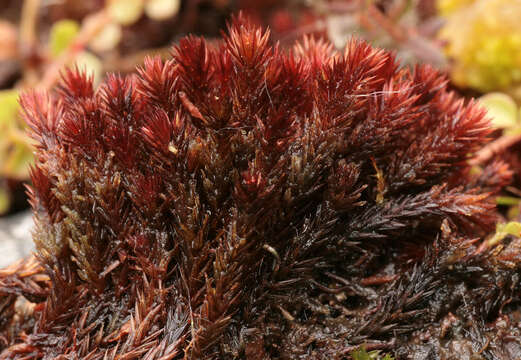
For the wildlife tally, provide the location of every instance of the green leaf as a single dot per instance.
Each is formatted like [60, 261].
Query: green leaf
[15, 152]
[362, 354]
[17, 163]
[62, 35]
[503, 230]
[502, 109]
[8, 108]
[511, 228]
[507, 200]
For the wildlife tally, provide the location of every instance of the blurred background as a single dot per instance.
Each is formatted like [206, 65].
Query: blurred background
[476, 43]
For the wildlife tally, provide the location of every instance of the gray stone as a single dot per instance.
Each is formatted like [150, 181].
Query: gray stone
[15, 237]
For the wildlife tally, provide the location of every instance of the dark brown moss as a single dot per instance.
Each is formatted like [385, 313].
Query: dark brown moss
[243, 202]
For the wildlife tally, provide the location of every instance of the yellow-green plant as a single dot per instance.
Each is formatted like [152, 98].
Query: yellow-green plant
[484, 42]
[447, 7]
[504, 114]
[362, 354]
[15, 149]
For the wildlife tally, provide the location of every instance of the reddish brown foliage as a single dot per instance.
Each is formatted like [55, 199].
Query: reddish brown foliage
[240, 201]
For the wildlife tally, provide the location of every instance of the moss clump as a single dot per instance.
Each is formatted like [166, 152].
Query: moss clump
[241, 202]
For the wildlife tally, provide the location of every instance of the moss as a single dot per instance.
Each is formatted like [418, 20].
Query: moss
[243, 202]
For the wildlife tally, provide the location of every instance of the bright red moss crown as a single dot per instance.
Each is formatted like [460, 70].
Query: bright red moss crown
[240, 201]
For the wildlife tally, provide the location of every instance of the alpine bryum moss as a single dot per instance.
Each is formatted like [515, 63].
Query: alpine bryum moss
[243, 202]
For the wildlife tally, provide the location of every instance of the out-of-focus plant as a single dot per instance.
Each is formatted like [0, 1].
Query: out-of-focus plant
[62, 34]
[392, 24]
[127, 12]
[446, 7]
[15, 150]
[505, 116]
[483, 39]
[8, 39]
[503, 112]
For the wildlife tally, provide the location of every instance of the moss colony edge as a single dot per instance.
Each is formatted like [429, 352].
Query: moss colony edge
[243, 202]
